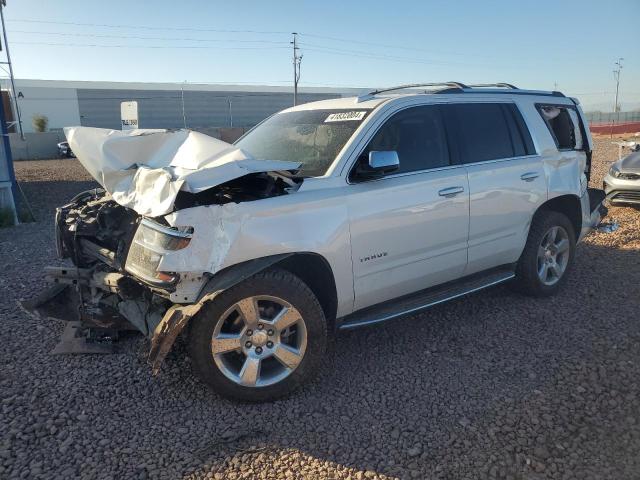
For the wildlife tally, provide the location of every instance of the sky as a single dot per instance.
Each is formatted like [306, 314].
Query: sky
[566, 45]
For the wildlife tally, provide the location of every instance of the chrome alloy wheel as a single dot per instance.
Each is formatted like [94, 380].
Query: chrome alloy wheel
[259, 341]
[553, 255]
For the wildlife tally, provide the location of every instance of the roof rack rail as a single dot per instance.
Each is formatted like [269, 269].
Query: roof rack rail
[456, 85]
[497, 85]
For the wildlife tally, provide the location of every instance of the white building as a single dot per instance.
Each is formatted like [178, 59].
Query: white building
[160, 105]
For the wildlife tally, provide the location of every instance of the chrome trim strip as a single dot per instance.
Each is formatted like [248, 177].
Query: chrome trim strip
[349, 326]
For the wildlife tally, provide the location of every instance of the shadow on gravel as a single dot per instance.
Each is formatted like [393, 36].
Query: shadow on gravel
[493, 384]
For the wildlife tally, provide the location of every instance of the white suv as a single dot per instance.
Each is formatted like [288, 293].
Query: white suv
[403, 198]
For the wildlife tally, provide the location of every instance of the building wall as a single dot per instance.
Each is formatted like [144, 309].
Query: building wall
[97, 104]
[60, 105]
[207, 107]
[163, 108]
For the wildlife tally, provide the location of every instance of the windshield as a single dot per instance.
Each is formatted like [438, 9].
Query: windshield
[312, 137]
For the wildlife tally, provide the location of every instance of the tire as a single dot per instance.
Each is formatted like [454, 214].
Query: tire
[223, 372]
[529, 270]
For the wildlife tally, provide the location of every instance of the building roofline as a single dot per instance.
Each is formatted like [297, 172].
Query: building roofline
[188, 86]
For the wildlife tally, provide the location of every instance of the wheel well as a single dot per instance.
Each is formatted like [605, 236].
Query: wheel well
[568, 205]
[316, 272]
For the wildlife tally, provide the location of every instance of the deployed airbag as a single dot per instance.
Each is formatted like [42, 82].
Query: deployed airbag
[145, 169]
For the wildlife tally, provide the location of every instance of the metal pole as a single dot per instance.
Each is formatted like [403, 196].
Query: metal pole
[184, 116]
[230, 113]
[13, 85]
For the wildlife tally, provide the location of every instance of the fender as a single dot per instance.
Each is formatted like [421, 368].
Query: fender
[177, 317]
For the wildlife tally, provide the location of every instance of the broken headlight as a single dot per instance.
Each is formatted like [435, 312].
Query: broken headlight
[150, 243]
[614, 171]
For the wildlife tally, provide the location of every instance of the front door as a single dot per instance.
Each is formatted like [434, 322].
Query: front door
[409, 229]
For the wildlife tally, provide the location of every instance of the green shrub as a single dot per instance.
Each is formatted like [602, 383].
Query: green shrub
[40, 122]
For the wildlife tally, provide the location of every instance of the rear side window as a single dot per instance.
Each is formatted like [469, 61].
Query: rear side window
[520, 135]
[417, 134]
[563, 125]
[484, 131]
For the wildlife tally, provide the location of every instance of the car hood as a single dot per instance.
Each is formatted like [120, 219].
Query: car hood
[630, 163]
[145, 169]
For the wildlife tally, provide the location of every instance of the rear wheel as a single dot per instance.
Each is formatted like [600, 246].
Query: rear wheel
[547, 256]
[260, 339]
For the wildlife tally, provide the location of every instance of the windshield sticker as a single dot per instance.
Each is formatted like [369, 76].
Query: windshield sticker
[345, 116]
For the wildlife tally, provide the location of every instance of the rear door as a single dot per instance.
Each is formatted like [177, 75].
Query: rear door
[409, 228]
[506, 179]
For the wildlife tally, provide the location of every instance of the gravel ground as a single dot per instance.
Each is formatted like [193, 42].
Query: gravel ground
[494, 385]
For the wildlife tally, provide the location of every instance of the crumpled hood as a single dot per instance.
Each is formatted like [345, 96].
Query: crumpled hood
[630, 163]
[145, 169]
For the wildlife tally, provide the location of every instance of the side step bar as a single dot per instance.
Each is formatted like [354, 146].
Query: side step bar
[426, 298]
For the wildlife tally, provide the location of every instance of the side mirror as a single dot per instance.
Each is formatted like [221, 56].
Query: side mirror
[383, 162]
[377, 165]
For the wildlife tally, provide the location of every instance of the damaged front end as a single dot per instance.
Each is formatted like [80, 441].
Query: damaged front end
[134, 266]
[114, 284]
[117, 283]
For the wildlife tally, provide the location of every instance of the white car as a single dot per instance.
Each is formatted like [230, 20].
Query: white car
[326, 216]
[622, 182]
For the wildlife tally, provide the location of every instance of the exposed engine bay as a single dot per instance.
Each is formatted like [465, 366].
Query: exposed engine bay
[116, 284]
[93, 227]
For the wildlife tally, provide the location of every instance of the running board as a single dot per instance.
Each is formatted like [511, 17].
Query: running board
[426, 298]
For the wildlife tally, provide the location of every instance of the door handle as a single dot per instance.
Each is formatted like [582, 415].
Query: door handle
[529, 176]
[450, 192]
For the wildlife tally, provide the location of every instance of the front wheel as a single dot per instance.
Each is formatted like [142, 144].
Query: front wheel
[260, 339]
[547, 256]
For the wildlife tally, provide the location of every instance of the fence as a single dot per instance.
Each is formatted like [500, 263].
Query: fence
[610, 117]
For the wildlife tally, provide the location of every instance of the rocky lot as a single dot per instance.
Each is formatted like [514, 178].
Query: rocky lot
[494, 385]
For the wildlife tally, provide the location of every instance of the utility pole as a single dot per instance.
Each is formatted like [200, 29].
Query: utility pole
[184, 116]
[616, 75]
[297, 59]
[616, 109]
[3, 3]
[230, 112]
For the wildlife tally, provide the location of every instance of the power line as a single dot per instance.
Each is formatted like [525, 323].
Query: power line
[361, 54]
[147, 27]
[146, 46]
[135, 37]
[383, 45]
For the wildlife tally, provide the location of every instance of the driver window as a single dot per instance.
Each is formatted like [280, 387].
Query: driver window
[417, 134]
